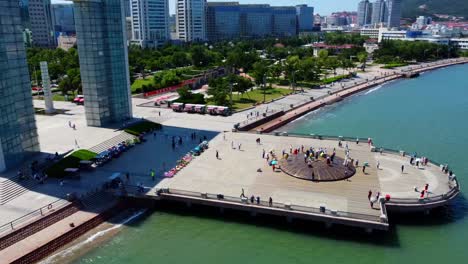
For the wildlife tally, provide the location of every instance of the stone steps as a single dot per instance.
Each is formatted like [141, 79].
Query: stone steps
[11, 189]
[124, 136]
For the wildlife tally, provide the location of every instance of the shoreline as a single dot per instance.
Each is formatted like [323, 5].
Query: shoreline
[95, 237]
[271, 124]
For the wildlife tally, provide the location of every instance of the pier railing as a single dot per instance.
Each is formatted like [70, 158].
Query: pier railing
[131, 190]
[276, 205]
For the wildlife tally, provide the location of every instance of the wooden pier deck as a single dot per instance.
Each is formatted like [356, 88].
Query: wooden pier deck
[206, 179]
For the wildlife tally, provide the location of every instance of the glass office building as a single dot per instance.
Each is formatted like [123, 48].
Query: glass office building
[18, 133]
[256, 20]
[101, 38]
[229, 20]
[284, 21]
[223, 20]
[394, 13]
[63, 18]
[305, 18]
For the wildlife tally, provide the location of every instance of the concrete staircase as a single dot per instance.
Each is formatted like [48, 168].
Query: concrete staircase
[13, 188]
[124, 136]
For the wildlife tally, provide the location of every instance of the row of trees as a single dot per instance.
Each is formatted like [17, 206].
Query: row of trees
[283, 59]
[394, 51]
[221, 88]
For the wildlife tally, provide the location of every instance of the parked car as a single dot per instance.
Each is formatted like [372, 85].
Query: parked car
[79, 99]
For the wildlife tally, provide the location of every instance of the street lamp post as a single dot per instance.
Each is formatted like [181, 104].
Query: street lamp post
[230, 93]
[294, 81]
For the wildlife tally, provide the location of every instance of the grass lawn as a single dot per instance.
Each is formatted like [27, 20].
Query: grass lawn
[60, 97]
[394, 65]
[334, 79]
[140, 82]
[70, 161]
[142, 127]
[248, 99]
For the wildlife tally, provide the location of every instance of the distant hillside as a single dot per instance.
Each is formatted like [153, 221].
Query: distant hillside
[414, 8]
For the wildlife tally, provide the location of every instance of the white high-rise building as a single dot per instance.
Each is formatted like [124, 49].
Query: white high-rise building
[191, 20]
[150, 22]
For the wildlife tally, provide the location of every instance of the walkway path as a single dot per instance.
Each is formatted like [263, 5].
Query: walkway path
[348, 91]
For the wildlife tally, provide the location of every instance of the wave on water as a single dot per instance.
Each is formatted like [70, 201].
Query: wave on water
[374, 89]
[70, 250]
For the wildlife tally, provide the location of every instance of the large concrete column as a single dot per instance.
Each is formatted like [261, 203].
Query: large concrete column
[18, 133]
[49, 104]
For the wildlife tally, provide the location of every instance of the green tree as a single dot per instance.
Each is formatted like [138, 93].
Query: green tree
[332, 63]
[198, 56]
[71, 82]
[362, 58]
[260, 73]
[309, 70]
[180, 59]
[291, 69]
[345, 63]
[242, 85]
[219, 90]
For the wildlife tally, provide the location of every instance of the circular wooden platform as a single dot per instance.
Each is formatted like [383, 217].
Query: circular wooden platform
[320, 170]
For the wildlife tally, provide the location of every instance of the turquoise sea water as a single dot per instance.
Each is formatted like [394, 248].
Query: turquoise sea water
[428, 115]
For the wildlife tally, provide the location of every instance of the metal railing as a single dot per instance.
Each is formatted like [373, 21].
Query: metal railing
[134, 190]
[20, 222]
[283, 206]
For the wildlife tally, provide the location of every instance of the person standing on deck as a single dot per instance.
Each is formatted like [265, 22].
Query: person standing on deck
[402, 168]
[153, 174]
[270, 202]
[217, 155]
[369, 195]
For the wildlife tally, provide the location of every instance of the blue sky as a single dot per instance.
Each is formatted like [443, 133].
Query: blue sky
[323, 7]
